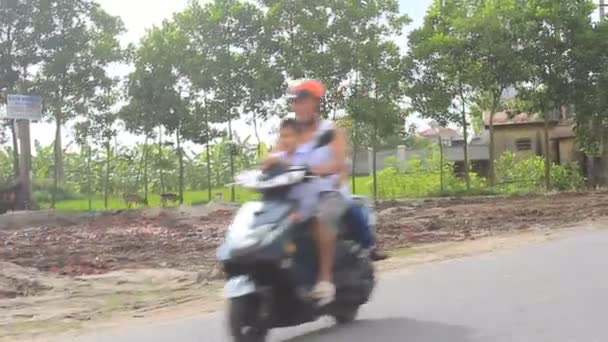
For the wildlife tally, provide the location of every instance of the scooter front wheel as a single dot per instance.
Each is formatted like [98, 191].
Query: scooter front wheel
[243, 314]
[346, 314]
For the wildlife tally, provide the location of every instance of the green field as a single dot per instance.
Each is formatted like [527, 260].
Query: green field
[190, 197]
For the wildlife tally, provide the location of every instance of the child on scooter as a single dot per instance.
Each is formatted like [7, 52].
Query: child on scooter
[286, 146]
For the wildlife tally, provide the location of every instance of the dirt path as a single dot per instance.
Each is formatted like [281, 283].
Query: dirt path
[68, 274]
[208, 298]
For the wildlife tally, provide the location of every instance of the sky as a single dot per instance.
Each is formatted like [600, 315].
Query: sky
[139, 15]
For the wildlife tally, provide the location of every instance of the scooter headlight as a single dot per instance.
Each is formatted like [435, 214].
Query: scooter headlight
[246, 242]
[250, 237]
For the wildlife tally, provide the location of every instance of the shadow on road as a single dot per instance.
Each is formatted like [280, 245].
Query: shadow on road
[389, 330]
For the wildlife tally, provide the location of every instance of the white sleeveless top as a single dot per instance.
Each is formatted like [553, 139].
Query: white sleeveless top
[306, 154]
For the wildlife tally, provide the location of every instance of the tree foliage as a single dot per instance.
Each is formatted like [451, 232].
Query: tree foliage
[214, 63]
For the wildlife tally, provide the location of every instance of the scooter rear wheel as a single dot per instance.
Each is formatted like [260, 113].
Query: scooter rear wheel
[243, 314]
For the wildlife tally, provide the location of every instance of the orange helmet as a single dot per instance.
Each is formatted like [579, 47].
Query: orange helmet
[306, 88]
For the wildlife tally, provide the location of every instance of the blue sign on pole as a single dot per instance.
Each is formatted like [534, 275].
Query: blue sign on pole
[24, 107]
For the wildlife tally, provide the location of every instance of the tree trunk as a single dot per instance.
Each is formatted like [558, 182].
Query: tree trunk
[375, 142]
[180, 155]
[55, 186]
[146, 151]
[89, 186]
[491, 172]
[140, 169]
[160, 158]
[441, 182]
[106, 190]
[208, 157]
[257, 137]
[232, 188]
[58, 161]
[547, 151]
[353, 177]
[15, 148]
[374, 155]
[58, 150]
[465, 134]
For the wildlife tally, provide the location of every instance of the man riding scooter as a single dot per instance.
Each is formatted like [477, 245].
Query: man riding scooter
[270, 251]
[328, 162]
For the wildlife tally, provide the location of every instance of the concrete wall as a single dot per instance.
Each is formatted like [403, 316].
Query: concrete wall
[478, 154]
[505, 138]
[567, 151]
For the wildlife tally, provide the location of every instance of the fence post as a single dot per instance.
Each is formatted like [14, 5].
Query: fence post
[440, 141]
[401, 156]
[370, 160]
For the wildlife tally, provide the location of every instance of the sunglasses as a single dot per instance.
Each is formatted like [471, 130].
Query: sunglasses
[299, 95]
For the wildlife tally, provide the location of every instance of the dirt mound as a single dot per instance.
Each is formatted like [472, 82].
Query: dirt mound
[128, 239]
[185, 238]
[410, 222]
[17, 281]
[25, 219]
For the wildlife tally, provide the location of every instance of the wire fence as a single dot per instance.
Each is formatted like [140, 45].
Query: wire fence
[126, 179]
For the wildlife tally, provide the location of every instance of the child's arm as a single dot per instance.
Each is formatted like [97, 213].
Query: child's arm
[268, 162]
[273, 159]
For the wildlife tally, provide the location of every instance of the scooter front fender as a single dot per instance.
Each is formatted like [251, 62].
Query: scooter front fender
[239, 286]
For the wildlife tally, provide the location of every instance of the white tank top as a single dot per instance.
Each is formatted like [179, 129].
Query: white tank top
[307, 194]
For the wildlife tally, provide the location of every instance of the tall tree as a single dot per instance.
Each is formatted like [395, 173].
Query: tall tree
[19, 50]
[378, 102]
[442, 71]
[590, 98]
[80, 42]
[496, 29]
[301, 32]
[201, 131]
[156, 89]
[194, 23]
[103, 123]
[556, 33]
[228, 37]
[83, 132]
[465, 48]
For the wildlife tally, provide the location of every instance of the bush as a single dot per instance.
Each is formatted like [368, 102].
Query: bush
[520, 175]
[418, 178]
[514, 175]
[567, 177]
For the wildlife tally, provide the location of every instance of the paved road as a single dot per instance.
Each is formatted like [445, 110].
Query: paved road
[555, 292]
